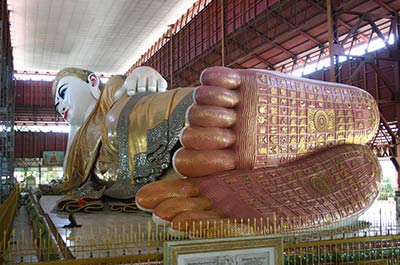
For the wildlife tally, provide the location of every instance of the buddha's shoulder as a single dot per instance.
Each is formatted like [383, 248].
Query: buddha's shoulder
[116, 81]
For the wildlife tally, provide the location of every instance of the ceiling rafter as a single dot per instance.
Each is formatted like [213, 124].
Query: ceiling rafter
[278, 46]
[385, 6]
[377, 30]
[247, 52]
[353, 30]
[296, 28]
[271, 41]
[343, 23]
[183, 76]
[207, 64]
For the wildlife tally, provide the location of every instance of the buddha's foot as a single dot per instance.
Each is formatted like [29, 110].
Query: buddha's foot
[249, 119]
[326, 187]
[52, 189]
[122, 190]
[124, 207]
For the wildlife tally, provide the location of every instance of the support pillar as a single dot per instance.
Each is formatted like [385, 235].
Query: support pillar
[330, 33]
[222, 32]
[396, 140]
[171, 59]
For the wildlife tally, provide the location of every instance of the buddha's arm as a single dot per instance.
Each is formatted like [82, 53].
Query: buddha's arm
[144, 128]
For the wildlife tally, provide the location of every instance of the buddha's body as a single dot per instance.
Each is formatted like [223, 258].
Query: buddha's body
[238, 136]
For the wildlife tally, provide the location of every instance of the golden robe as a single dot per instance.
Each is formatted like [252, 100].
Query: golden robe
[98, 150]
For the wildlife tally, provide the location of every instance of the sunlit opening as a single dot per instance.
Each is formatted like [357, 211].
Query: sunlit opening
[48, 78]
[355, 51]
[34, 77]
[41, 128]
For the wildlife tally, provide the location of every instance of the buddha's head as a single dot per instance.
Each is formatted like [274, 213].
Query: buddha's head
[75, 92]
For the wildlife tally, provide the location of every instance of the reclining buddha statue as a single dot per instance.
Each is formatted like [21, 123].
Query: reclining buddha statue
[244, 144]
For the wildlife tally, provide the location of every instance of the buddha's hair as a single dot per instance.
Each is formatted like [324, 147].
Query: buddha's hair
[70, 71]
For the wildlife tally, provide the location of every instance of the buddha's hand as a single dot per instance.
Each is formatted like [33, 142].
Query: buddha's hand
[142, 79]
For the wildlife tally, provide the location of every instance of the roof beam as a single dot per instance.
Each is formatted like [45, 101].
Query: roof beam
[247, 52]
[296, 28]
[183, 76]
[344, 24]
[385, 6]
[347, 26]
[273, 42]
[377, 31]
[353, 30]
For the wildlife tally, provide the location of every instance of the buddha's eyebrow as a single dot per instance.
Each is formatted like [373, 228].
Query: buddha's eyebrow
[61, 87]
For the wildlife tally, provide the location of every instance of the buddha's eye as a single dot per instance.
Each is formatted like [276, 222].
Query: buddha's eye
[61, 91]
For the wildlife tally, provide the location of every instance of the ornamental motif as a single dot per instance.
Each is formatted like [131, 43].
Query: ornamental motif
[161, 140]
[321, 120]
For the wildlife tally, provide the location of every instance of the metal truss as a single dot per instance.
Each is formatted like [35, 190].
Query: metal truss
[7, 181]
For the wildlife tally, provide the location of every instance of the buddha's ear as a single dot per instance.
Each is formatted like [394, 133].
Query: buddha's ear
[94, 82]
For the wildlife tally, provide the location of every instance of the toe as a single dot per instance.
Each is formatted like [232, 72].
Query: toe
[170, 208]
[220, 76]
[200, 138]
[151, 195]
[216, 96]
[193, 163]
[211, 116]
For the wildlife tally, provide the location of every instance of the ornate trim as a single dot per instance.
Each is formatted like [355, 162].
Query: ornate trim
[122, 188]
[161, 140]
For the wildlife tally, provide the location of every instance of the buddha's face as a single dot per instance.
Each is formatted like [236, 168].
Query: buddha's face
[73, 99]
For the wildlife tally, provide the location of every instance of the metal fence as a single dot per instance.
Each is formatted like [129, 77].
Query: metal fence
[357, 242]
[7, 214]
